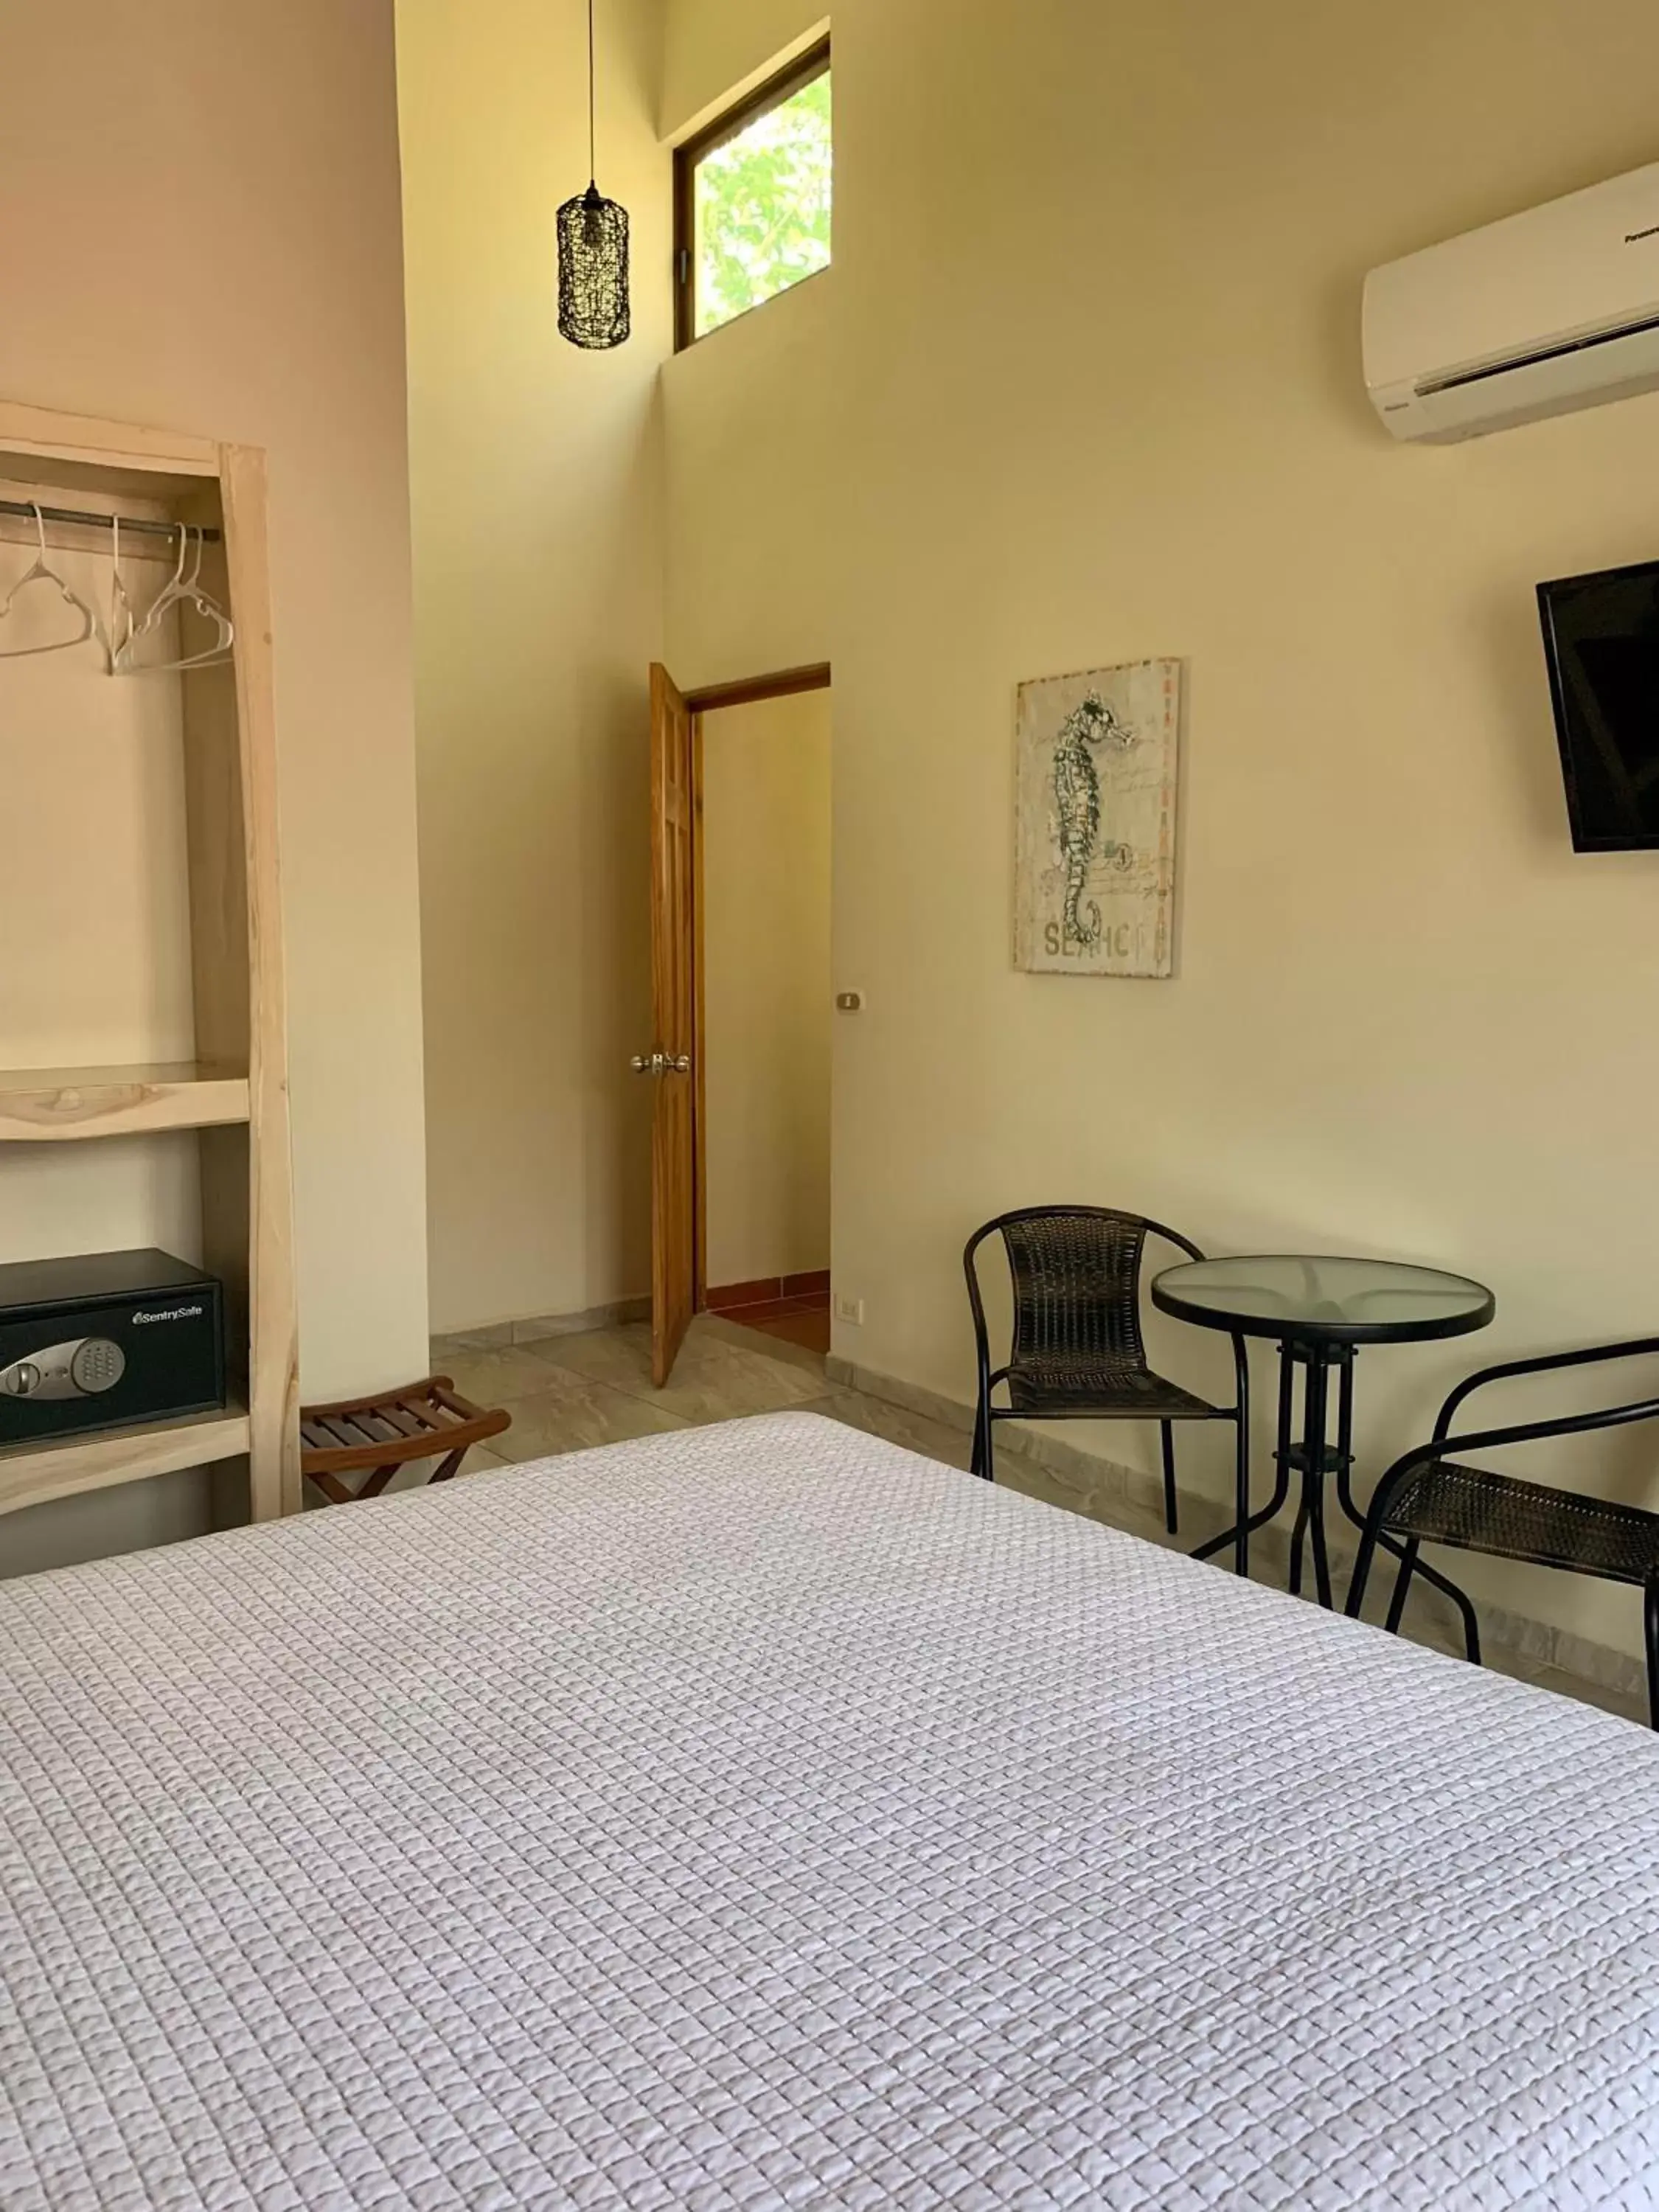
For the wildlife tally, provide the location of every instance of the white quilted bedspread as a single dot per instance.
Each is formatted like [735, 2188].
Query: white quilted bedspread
[762, 1816]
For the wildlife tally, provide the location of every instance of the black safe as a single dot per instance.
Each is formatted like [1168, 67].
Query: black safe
[103, 1339]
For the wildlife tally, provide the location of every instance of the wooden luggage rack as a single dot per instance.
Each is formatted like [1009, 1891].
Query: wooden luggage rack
[379, 1435]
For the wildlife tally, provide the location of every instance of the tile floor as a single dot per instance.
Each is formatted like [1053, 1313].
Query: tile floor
[804, 1322]
[567, 1393]
[800, 1317]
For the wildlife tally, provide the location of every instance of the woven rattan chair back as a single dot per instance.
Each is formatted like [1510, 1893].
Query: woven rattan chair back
[1076, 1282]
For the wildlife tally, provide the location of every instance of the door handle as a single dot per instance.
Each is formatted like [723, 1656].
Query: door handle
[661, 1063]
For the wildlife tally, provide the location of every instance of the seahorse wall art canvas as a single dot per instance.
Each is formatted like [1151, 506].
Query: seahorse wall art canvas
[1094, 813]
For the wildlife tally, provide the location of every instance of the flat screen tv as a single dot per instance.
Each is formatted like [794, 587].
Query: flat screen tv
[1601, 637]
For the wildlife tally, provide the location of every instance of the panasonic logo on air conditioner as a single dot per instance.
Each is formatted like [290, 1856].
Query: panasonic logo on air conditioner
[1554, 309]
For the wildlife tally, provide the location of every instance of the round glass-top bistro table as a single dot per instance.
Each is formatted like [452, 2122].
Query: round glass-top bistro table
[1320, 1310]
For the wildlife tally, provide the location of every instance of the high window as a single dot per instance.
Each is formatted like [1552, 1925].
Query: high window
[752, 199]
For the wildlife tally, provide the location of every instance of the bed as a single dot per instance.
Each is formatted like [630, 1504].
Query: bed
[764, 1816]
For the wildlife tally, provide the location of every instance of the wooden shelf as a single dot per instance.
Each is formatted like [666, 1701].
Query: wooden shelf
[55, 1105]
[31, 1473]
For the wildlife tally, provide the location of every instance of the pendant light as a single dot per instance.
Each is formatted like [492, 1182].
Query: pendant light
[593, 253]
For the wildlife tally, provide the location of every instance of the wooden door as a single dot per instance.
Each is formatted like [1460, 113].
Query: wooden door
[668, 1066]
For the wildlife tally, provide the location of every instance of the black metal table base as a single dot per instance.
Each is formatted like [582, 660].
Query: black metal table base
[1309, 1459]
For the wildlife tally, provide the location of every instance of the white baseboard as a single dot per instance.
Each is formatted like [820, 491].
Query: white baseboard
[575, 1324]
[490, 1335]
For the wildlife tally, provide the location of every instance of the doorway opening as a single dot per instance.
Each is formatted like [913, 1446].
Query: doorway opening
[764, 1025]
[741, 974]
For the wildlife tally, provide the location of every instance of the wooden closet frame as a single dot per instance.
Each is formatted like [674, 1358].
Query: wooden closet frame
[235, 1092]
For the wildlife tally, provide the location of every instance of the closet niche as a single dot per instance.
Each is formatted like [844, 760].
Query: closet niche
[143, 1091]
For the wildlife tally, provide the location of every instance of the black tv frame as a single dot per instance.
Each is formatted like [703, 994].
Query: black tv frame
[1584, 841]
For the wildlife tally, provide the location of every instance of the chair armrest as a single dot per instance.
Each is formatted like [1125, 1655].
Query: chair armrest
[976, 1307]
[1592, 1355]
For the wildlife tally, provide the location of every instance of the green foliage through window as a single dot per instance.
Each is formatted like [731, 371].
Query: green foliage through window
[763, 207]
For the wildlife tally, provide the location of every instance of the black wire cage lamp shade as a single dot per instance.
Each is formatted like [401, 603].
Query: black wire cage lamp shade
[593, 253]
[593, 270]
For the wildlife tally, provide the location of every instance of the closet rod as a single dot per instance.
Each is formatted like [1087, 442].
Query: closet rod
[141, 524]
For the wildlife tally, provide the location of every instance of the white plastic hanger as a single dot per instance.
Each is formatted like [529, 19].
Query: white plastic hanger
[119, 632]
[40, 571]
[180, 589]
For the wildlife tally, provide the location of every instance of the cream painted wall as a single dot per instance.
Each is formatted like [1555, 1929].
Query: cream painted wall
[92, 837]
[536, 473]
[713, 53]
[748, 417]
[1092, 390]
[767, 998]
[199, 227]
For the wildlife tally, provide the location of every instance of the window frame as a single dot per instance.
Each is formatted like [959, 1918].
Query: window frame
[783, 85]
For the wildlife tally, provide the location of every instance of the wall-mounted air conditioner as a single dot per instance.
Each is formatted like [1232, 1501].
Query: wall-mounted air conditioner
[1554, 309]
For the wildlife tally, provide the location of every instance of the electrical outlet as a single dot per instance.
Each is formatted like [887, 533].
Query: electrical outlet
[851, 1309]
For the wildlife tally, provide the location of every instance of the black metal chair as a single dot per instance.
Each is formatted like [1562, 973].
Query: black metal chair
[1077, 1353]
[1428, 1497]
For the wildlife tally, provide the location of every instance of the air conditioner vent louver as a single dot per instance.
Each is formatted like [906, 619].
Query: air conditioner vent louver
[1455, 380]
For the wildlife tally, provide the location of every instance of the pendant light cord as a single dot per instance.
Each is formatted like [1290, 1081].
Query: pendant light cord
[592, 164]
